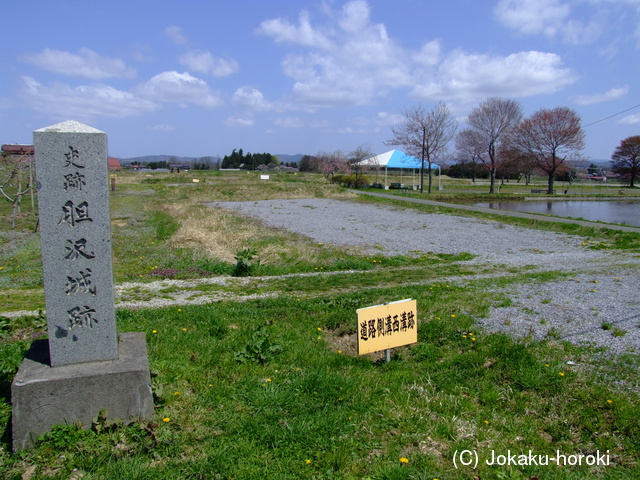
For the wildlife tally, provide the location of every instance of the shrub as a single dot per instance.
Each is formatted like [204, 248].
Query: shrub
[351, 181]
[246, 261]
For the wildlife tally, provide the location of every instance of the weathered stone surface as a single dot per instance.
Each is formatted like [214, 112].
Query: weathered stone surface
[44, 396]
[73, 206]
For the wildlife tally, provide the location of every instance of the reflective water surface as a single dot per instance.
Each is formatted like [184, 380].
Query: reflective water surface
[612, 211]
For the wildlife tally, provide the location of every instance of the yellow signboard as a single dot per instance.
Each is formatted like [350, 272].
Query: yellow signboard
[387, 326]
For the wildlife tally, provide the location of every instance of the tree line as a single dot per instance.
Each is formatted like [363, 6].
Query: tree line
[498, 139]
[249, 161]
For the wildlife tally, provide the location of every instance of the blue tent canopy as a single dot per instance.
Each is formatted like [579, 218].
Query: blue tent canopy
[396, 159]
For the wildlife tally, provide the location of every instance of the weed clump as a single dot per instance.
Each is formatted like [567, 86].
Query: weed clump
[246, 261]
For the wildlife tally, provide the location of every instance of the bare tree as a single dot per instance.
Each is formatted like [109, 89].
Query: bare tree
[362, 152]
[515, 162]
[470, 149]
[626, 158]
[549, 137]
[16, 180]
[425, 134]
[492, 120]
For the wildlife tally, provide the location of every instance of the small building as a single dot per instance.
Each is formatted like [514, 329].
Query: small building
[178, 167]
[18, 150]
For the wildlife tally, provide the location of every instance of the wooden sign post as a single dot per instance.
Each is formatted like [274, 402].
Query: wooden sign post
[383, 327]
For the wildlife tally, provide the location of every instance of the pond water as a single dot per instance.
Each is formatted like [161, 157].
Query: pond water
[611, 211]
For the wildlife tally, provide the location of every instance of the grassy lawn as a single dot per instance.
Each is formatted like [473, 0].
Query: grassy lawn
[272, 388]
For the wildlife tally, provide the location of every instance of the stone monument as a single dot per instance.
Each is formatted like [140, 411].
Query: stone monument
[83, 368]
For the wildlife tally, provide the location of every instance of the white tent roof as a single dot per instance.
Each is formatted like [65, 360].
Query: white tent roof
[396, 159]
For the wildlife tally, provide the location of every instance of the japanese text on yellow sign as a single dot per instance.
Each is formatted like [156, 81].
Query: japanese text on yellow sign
[387, 326]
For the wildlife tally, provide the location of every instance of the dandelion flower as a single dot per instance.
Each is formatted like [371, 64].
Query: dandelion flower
[339, 351]
[176, 393]
[404, 460]
[307, 461]
[166, 419]
[561, 374]
[268, 379]
[487, 422]
[319, 329]
[609, 402]
[154, 331]
[184, 329]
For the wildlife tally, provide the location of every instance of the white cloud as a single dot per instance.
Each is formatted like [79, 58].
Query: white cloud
[83, 102]
[464, 77]
[289, 122]
[609, 95]
[303, 34]
[351, 60]
[175, 35]
[355, 16]
[204, 62]
[528, 17]
[240, 120]
[429, 55]
[251, 98]
[560, 18]
[348, 65]
[631, 119]
[85, 64]
[181, 88]
[387, 119]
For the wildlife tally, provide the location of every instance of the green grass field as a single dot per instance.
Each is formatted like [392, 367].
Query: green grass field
[272, 388]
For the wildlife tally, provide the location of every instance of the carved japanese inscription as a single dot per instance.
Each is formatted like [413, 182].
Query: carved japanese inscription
[71, 167]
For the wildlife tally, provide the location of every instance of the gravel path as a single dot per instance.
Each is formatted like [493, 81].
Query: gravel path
[599, 305]
[370, 229]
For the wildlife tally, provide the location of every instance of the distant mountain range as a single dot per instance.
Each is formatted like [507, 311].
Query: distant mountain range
[284, 158]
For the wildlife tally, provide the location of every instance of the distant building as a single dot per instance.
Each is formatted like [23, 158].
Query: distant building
[18, 150]
[178, 167]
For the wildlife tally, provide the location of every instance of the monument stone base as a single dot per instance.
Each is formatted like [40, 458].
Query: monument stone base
[43, 396]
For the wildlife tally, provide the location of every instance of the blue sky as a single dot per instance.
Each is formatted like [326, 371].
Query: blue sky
[198, 78]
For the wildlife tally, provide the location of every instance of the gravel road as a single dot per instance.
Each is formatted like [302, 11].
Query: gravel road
[598, 305]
